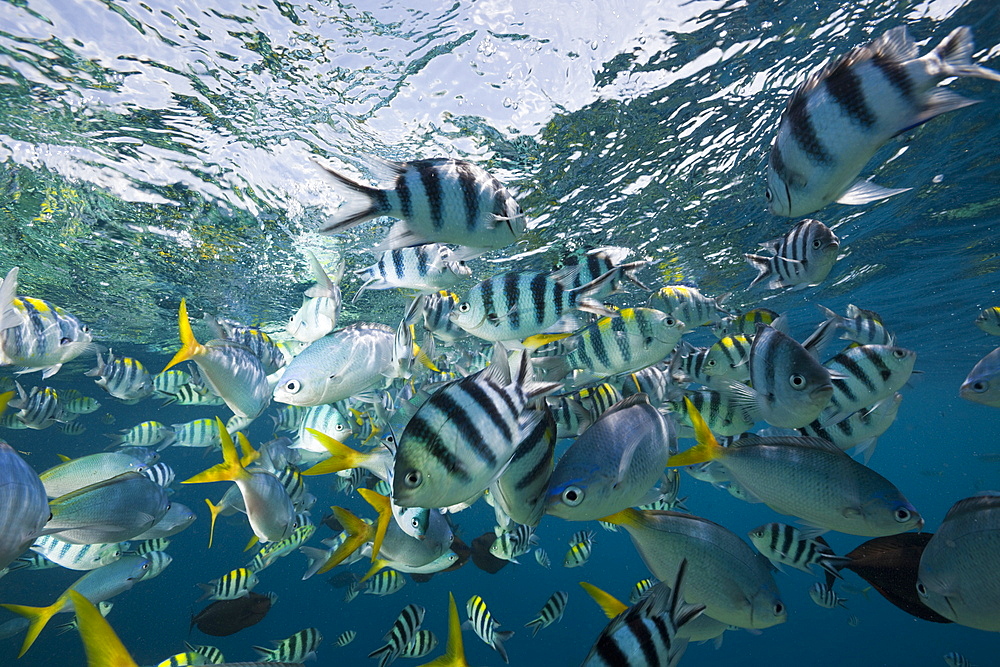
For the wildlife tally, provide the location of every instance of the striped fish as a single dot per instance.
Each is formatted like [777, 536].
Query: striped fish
[386, 582]
[148, 546]
[32, 562]
[640, 589]
[687, 365]
[825, 596]
[552, 612]
[77, 556]
[252, 338]
[197, 433]
[646, 634]
[437, 200]
[422, 643]
[689, 305]
[515, 305]
[729, 358]
[185, 659]
[485, 626]
[520, 490]
[578, 554]
[146, 434]
[725, 416]
[598, 261]
[235, 584]
[426, 268]
[860, 429]
[542, 558]
[346, 637]
[36, 334]
[581, 536]
[955, 659]
[296, 648]
[320, 309]
[72, 428]
[124, 378]
[459, 441]
[746, 323]
[293, 482]
[272, 551]
[863, 376]
[786, 545]
[193, 394]
[289, 417]
[104, 607]
[402, 632]
[511, 544]
[80, 405]
[801, 258]
[842, 114]
[436, 311]
[211, 654]
[328, 419]
[353, 589]
[170, 381]
[160, 473]
[37, 409]
[864, 327]
[989, 320]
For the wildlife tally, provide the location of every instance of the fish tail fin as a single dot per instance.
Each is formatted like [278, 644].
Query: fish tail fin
[524, 374]
[358, 532]
[38, 618]
[628, 271]
[363, 203]
[535, 625]
[498, 639]
[763, 266]
[102, 645]
[834, 564]
[4, 399]
[377, 564]
[454, 654]
[264, 653]
[626, 517]
[383, 506]
[189, 345]
[231, 468]
[609, 604]
[954, 56]
[214, 510]
[342, 457]
[707, 449]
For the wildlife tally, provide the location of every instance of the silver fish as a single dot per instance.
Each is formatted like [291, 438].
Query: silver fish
[86, 470]
[520, 489]
[112, 510]
[989, 320]
[24, 507]
[801, 258]
[321, 306]
[177, 518]
[983, 382]
[77, 556]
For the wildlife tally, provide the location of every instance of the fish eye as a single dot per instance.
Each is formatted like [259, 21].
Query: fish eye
[464, 307]
[65, 341]
[921, 589]
[768, 195]
[899, 353]
[902, 515]
[168, 506]
[413, 479]
[817, 243]
[779, 609]
[710, 363]
[669, 321]
[85, 329]
[293, 386]
[797, 380]
[146, 565]
[572, 496]
[415, 523]
[390, 438]
[979, 386]
[758, 533]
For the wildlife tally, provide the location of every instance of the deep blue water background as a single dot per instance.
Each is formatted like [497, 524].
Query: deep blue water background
[159, 150]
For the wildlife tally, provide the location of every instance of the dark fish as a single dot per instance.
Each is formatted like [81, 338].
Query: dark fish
[342, 579]
[890, 565]
[482, 557]
[227, 617]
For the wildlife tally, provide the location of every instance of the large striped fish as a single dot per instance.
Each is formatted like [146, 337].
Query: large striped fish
[863, 376]
[124, 378]
[437, 200]
[842, 114]
[520, 490]
[801, 258]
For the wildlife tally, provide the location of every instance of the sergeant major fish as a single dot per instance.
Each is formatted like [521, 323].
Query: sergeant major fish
[485, 626]
[801, 258]
[426, 268]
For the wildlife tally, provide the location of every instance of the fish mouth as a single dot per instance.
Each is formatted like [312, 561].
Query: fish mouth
[822, 391]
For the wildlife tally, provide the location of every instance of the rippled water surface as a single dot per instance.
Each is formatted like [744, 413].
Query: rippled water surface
[153, 151]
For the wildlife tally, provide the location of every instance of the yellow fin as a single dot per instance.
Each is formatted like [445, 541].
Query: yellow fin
[214, 509]
[377, 564]
[383, 506]
[342, 457]
[190, 347]
[540, 340]
[64, 458]
[253, 541]
[103, 647]
[424, 360]
[230, 470]
[610, 605]
[38, 618]
[626, 517]
[358, 532]
[707, 449]
[454, 654]
[249, 453]
[4, 399]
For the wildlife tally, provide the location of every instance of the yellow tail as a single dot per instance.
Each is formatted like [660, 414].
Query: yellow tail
[626, 517]
[383, 506]
[707, 449]
[454, 654]
[377, 564]
[231, 468]
[38, 618]
[342, 457]
[214, 509]
[4, 399]
[358, 532]
[610, 605]
[190, 348]
[102, 645]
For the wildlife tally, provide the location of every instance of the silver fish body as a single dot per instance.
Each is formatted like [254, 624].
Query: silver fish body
[864, 375]
[982, 385]
[801, 258]
[24, 507]
[86, 470]
[176, 519]
[520, 490]
[321, 305]
[989, 320]
[77, 556]
[112, 510]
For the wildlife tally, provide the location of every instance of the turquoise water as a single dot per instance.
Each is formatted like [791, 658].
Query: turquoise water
[157, 150]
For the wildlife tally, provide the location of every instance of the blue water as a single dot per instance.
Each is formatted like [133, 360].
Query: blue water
[151, 151]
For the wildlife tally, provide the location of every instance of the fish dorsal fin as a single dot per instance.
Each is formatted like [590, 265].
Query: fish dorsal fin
[976, 503]
[639, 398]
[806, 442]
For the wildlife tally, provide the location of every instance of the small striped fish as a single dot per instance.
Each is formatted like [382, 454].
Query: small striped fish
[784, 544]
[689, 305]
[146, 434]
[328, 419]
[148, 546]
[211, 654]
[728, 358]
[185, 659]
[232, 585]
[746, 323]
[77, 556]
[422, 643]
[197, 433]
[436, 311]
[687, 365]
[346, 637]
[296, 648]
[552, 612]
[169, 382]
[158, 562]
[955, 659]
[72, 428]
[598, 261]
[192, 394]
[723, 414]
[353, 589]
[320, 309]
[645, 634]
[386, 582]
[160, 473]
[989, 320]
[801, 258]
[32, 562]
[258, 342]
[293, 482]
[485, 626]
[439, 200]
[653, 381]
[610, 527]
[104, 607]
[863, 376]
[542, 558]
[39, 408]
[402, 632]
[426, 268]
[864, 327]
[289, 417]
[578, 554]
[511, 544]
[272, 551]
[640, 589]
[81, 405]
[124, 378]
[860, 429]
[825, 596]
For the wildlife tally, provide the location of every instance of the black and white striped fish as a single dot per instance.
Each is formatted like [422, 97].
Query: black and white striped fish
[863, 376]
[426, 268]
[296, 648]
[645, 635]
[149, 546]
[160, 473]
[542, 558]
[724, 415]
[513, 543]
[842, 114]
[689, 305]
[145, 434]
[385, 582]
[346, 637]
[169, 382]
[211, 654]
[729, 358]
[485, 626]
[861, 326]
[320, 310]
[640, 589]
[825, 596]
[77, 556]
[192, 394]
[786, 545]
[124, 378]
[37, 409]
[254, 339]
[801, 258]
[438, 200]
[402, 632]
[72, 428]
[235, 584]
[598, 261]
[579, 553]
[552, 612]
[860, 429]
[422, 643]
[956, 659]
[654, 381]
[520, 490]
[746, 323]
[687, 365]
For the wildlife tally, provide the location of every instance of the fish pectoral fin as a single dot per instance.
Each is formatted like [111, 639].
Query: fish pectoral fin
[865, 192]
